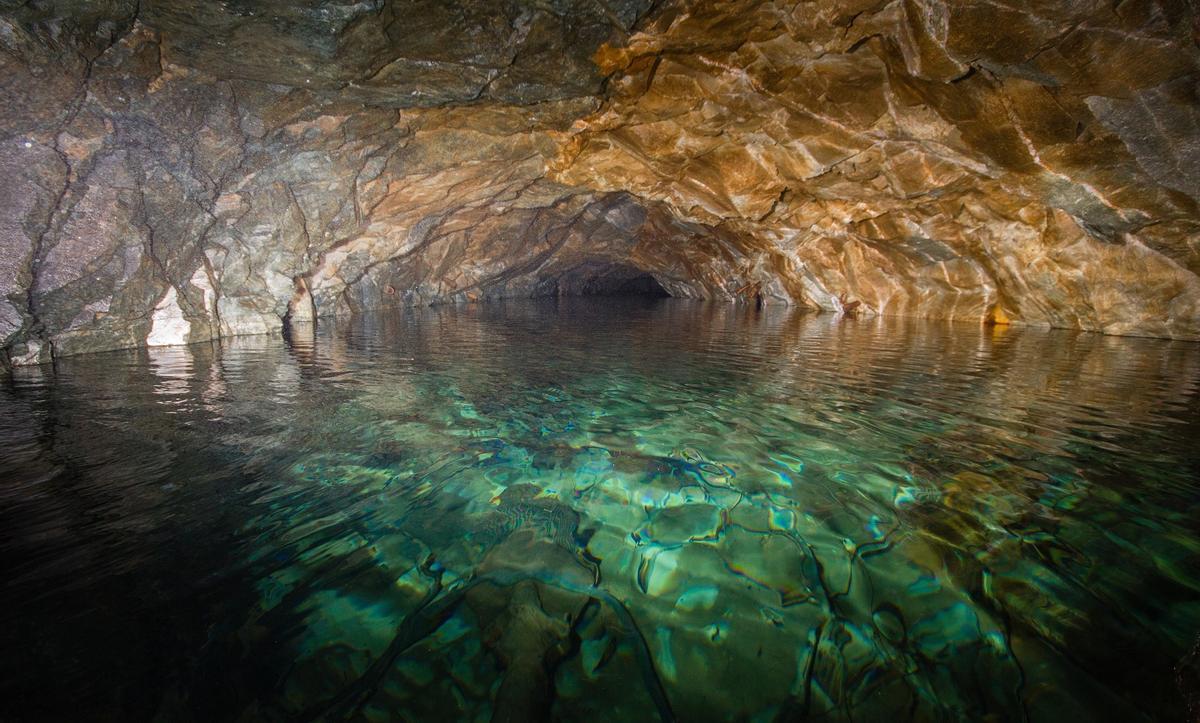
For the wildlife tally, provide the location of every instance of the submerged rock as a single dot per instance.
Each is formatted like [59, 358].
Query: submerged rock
[528, 643]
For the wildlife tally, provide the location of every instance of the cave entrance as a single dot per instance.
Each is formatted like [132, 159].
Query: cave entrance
[643, 285]
[618, 280]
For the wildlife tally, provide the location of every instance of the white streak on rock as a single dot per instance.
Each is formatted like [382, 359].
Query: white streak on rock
[168, 325]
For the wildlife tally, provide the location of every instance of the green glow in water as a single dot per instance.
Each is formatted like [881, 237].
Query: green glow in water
[716, 513]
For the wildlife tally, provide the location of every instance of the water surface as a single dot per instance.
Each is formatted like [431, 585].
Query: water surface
[708, 512]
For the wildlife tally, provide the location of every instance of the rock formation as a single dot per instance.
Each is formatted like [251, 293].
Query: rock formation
[178, 171]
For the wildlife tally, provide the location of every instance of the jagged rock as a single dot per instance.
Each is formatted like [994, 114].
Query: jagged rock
[231, 165]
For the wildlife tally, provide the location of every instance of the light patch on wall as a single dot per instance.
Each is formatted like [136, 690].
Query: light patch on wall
[168, 325]
[201, 281]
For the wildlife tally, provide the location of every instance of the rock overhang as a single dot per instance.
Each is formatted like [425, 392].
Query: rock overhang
[255, 161]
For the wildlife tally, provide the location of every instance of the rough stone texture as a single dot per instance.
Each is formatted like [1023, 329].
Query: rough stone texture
[176, 171]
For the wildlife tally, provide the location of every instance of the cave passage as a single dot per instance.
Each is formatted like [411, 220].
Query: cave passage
[179, 172]
[599, 360]
[645, 285]
[622, 281]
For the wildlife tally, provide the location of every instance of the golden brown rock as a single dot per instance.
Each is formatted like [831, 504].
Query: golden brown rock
[932, 159]
[177, 173]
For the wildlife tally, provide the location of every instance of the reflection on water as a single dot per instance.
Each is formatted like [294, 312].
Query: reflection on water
[626, 511]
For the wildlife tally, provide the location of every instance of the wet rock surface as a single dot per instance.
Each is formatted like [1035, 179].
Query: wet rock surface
[177, 172]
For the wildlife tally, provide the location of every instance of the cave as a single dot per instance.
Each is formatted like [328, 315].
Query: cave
[608, 280]
[599, 360]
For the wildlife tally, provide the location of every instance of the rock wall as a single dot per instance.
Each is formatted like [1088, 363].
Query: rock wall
[178, 171]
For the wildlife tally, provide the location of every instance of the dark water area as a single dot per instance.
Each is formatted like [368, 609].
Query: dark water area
[605, 510]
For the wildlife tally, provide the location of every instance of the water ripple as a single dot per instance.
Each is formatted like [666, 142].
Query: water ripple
[740, 514]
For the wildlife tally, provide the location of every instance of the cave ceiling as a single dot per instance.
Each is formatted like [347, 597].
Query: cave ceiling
[178, 171]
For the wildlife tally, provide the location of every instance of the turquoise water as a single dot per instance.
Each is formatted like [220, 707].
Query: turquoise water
[616, 510]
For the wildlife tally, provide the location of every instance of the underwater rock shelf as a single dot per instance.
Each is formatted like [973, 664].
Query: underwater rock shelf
[178, 171]
[592, 510]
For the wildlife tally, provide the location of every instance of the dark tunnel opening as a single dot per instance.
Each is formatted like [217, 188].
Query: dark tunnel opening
[643, 285]
[605, 280]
